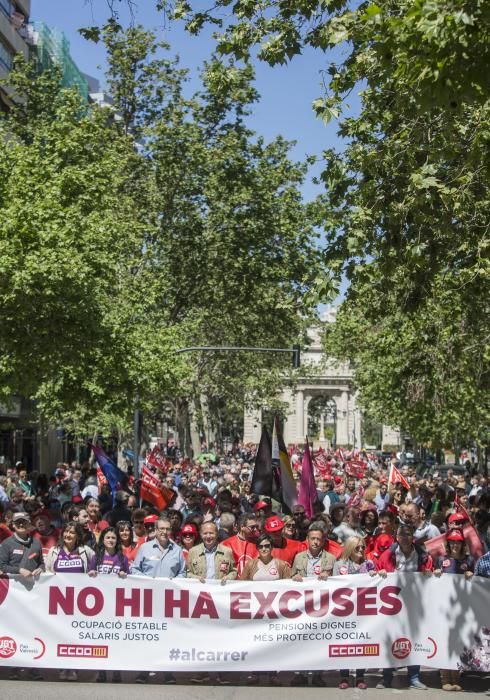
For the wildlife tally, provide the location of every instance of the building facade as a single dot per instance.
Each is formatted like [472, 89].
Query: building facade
[14, 39]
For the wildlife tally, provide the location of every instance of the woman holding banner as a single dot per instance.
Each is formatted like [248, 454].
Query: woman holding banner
[353, 561]
[109, 559]
[265, 568]
[69, 556]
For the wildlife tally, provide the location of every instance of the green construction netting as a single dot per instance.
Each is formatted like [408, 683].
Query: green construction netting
[53, 48]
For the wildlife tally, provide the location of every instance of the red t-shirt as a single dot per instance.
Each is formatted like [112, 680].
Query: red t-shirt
[243, 551]
[47, 541]
[288, 550]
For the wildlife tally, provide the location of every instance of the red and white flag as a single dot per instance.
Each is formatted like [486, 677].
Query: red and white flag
[396, 477]
[101, 480]
[153, 491]
[158, 460]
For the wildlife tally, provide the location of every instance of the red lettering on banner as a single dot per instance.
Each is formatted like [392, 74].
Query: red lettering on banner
[205, 606]
[284, 610]
[172, 603]
[66, 601]
[341, 598]
[265, 601]
[389, 596]
[132, 601]
[82, 601]
[310, 604]
[237, 601]
[366, 597]
[147, 602]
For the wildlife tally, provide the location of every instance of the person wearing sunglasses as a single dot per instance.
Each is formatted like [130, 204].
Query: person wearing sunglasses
[188, 537]
[353, 561]
[265, 567]
[243, 543]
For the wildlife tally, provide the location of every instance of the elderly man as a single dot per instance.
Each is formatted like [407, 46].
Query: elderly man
[423, 529]
[162, 558]
[210, 561]
[316, 563]
[22, 555]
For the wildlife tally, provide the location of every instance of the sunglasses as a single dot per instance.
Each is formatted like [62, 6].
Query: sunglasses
[264, 546]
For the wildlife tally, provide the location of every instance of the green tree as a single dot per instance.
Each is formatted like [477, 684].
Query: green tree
[406, 202]
[159, 223]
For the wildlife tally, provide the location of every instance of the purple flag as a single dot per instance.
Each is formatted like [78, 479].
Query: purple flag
[307, 496]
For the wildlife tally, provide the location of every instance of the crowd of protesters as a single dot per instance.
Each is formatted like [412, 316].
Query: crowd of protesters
[214, 527]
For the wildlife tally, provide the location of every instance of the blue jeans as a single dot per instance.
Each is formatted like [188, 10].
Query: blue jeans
[412, 672]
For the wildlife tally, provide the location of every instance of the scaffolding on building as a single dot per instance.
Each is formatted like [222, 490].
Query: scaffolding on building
[53, 49]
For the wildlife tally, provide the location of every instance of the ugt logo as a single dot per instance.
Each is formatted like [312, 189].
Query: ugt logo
[401, 648]
[8, 647]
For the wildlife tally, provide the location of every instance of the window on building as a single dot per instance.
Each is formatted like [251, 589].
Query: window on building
[6, 55]
[6, 6]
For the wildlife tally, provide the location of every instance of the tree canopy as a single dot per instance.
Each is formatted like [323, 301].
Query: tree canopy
[161, 222]
[406, 201]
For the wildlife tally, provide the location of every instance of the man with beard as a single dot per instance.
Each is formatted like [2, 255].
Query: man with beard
[243, 543]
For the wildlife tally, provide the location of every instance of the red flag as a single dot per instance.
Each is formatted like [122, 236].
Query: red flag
[152, 490]
[158, 460]
[307, 489]
[101, 480]
[396, 477]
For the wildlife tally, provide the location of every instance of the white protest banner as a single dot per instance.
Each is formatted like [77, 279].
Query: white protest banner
[73, 621]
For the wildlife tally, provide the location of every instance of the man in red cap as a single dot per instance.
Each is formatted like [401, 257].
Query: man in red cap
[150, 525]
[283, 548]
[263, 508]
[243, 544]
[456, 521]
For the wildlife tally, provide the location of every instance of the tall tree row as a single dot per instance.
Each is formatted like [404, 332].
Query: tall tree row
[406, 202]
[130, 232]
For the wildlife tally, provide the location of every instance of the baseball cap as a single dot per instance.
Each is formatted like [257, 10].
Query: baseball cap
[457, 518]
[455, 536]
[150, 519]
[259, 505]
[273, 524]
[21, 516]
[189, 529]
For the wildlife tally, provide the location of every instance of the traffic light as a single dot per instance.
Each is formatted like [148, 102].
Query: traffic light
[296, 357]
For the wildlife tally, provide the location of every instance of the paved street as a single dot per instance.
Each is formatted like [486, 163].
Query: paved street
[51, 689]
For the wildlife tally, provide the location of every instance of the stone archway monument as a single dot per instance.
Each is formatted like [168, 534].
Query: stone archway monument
[324, 379]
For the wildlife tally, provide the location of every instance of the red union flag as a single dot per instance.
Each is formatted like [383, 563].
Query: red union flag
[158, 460]
[396, 477]
[153, 491]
